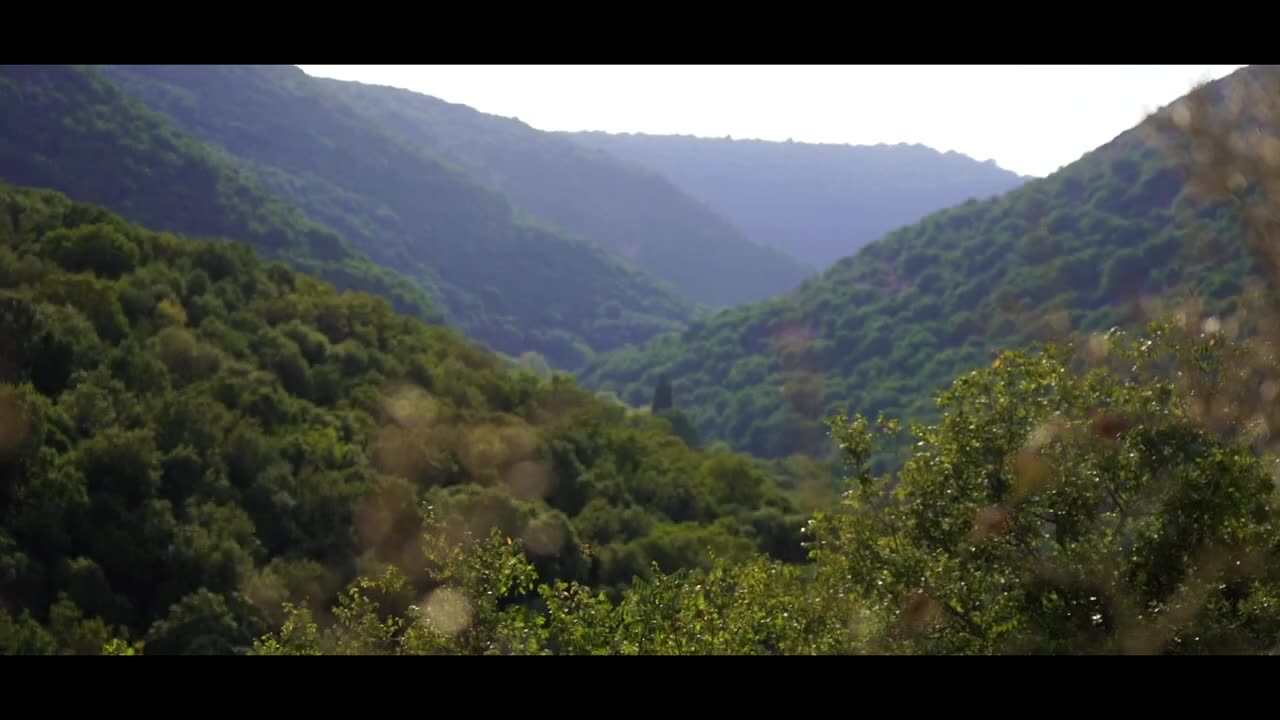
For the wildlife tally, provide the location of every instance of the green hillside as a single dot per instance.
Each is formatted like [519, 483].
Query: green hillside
[885, 329]
[1020, 525]
[69, 128]
[633, 211]
[190, 437]
[816, 202]
[510, 281]
[206, 452]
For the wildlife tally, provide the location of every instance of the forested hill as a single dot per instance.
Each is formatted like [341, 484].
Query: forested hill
[508, 281]
[886, 328]
[817, 202]
[69, 128]
[635, 212]
[190, 438]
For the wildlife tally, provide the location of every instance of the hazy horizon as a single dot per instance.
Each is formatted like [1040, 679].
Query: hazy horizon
[1037, 118]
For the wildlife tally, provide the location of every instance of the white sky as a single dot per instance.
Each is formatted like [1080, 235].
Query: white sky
[1031, 119]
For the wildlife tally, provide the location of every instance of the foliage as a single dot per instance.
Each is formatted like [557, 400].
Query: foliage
[190, 437]
[203, 453]
[635, 212]
[1060, 507]
[508, 281]
[1089, 248]
[662, 397]
[1065, 512]
[67, 128]
[1115, 497]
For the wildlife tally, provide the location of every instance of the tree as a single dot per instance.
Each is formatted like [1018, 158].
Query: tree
[662, 395]
[1067, 510]
[681, 426]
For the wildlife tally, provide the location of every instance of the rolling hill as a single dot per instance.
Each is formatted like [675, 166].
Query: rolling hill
[190, 437]
[816, 202]
[511, 282]
[634, 212]
[886, 328]
[204, 451]
[70, 129]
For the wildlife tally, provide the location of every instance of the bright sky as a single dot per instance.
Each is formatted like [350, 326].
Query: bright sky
[1031, 119]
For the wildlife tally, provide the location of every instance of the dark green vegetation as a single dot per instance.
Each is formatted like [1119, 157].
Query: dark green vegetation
[819, 203]
[204, 453]
[634, 212]
[1120, 500]
[190, 437]
[70, 129]
[502, 278]
[885, 329]
[1023, 523]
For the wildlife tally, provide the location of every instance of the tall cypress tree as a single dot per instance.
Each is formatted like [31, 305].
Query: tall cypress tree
[662, 397]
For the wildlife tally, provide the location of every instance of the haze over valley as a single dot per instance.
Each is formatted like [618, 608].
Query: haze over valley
[639, 360]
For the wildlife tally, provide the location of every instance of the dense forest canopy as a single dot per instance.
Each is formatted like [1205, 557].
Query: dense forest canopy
[1038, 424]
[1083, 250]
[1113, 498]
[513, 282]
[69, 129]
[630, 209]
[192, 437]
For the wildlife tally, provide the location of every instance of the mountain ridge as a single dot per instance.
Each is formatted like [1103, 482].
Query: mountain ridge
[635, 212]
[59, 118]
[517, 285]
[883, 329]
[815, 201]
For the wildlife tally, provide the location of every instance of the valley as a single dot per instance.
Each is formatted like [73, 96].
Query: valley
[298, 365]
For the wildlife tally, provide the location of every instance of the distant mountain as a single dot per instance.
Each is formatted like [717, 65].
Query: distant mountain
[635, 212]
[69, 129]
[884, 329]
[507, 280]
[816, 202]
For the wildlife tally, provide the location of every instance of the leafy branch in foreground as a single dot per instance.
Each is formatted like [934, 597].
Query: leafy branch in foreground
[1059, 509]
